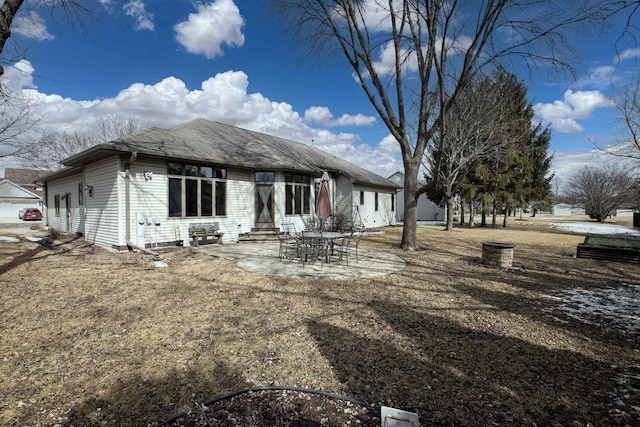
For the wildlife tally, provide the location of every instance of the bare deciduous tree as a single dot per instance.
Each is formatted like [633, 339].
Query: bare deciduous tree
[413, 58]
[53, 147]
[114, 127]
[476, 126]
[601, 190]
[72, 10]
[16, 120]
[629, 113]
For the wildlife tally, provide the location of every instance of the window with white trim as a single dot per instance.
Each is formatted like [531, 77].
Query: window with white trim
[297, 195]
[196, 191]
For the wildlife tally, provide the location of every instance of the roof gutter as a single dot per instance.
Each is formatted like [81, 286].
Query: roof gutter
[127, 177]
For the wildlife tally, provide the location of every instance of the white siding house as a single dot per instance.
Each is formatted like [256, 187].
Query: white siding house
[146, 189]
[18, 191]
[14, 197]
[427, 210]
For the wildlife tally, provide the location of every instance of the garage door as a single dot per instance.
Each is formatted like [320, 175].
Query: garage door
[5, 209]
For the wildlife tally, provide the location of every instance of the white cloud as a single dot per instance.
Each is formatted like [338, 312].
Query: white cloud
[224, 97]
[31, 26]
[213, 25]
[563, 115]
[599, 77]
[628, 54]
[136, 9]
[386, 64]
[389, 145]
[19, 75]
[566, 163]
[318, 115]
[324, 117]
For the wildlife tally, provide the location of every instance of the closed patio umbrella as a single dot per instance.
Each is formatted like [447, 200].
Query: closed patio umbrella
[323, 204]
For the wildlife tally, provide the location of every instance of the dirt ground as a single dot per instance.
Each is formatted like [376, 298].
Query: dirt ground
[92, 338]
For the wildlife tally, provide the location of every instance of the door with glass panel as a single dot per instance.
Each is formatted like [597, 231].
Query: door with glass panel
[264, 199]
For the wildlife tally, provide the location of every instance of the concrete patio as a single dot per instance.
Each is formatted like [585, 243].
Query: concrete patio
[263, 258]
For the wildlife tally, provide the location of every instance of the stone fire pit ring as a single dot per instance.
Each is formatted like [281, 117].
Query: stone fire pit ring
[497, 254]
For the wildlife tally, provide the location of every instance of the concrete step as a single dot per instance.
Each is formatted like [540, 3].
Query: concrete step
[260, 235]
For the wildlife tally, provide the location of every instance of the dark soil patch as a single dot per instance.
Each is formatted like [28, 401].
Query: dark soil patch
[278, 408]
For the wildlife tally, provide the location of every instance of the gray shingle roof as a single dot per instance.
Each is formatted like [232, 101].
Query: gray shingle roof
[212, 142]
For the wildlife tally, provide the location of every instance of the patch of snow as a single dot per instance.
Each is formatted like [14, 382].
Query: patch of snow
[33, 238]
[160, 264]
[611, 308]
[9, 239]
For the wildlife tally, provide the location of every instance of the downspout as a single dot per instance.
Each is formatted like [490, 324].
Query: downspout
[127, 202]
[127, 195]
[46, 205]
[84, 201]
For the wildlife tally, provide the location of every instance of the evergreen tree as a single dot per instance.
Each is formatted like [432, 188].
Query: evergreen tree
[516, 173]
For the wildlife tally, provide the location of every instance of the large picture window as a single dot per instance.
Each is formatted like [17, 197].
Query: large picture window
[196, 191]
[297, 195]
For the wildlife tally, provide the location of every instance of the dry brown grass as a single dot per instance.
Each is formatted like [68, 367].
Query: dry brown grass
[94, 338]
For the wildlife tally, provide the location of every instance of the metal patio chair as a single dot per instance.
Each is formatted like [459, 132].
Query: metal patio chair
[289, 241]
[313, 248]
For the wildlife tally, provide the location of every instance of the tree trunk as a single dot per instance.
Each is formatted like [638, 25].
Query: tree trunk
[8, 11]
[471, 215]
[504, 221]
[449, 226]
[461, 213]
[410, 208]
[493, 216]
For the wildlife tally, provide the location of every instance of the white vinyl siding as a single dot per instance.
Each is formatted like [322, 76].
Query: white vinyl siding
[241, 214]
[344, 200]
[367, 213]
[71, 221]
[279, 202]
[103, 209]
[150, 199]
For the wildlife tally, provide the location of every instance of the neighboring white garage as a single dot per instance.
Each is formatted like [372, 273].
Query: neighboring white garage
[13, 197]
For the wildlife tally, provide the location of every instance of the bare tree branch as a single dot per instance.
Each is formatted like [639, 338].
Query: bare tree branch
[48, 152]
[601, 190]
[414, 58]
[16, 120]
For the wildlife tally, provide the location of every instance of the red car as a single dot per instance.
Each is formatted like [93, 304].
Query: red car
[31, 214]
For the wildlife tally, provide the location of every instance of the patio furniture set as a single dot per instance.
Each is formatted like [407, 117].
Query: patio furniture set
[325, 246]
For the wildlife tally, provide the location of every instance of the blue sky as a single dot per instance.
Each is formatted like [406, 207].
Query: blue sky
[170, 61]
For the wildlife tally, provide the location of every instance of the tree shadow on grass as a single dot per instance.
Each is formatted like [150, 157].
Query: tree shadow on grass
[454, 375]
[138, 401]
[25, 256]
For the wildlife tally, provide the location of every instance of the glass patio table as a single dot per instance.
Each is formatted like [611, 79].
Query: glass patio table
[325, 235]
[328, 237]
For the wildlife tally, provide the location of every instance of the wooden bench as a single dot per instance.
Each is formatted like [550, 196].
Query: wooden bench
[204, 231]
